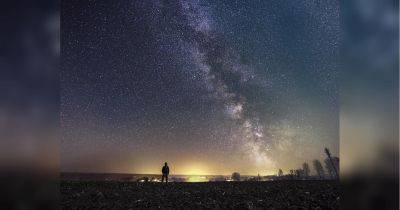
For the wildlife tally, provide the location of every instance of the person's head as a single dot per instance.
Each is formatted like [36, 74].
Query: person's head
[165, 163]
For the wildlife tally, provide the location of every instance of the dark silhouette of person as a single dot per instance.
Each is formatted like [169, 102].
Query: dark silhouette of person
[165, 172]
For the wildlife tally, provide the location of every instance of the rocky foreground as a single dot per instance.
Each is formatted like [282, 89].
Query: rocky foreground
[207, 195]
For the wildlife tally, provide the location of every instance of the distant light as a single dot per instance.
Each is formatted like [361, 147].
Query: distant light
[197, 179]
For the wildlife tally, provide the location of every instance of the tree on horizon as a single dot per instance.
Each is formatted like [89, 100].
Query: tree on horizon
[319, 169]
[306, 169]
[332, 165]
[280, 172]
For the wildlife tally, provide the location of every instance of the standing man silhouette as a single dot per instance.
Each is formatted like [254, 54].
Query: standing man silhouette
[165, 172]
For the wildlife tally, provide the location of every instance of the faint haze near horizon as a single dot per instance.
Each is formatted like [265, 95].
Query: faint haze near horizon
[210, 87]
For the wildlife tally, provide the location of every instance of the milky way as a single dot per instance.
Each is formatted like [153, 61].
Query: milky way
[229, 85]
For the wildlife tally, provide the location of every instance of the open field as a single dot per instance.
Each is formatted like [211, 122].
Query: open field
[211, 195]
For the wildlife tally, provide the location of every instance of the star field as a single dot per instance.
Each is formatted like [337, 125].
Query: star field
[225, 86]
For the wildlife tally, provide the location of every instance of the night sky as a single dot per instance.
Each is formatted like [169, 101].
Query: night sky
[211, 87]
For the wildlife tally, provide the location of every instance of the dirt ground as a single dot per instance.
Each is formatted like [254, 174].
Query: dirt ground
[207, 195]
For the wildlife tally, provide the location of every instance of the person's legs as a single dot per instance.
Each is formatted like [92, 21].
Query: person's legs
[166, 178]
[162, 179]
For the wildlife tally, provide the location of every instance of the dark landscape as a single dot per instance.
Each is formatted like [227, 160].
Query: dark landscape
[285, 194]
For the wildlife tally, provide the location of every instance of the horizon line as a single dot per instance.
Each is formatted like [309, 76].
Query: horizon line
[161, 174]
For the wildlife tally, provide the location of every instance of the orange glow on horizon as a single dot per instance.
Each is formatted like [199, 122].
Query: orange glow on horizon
[194, 169]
